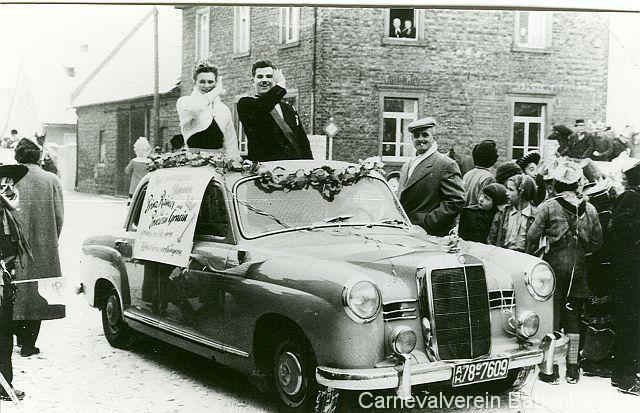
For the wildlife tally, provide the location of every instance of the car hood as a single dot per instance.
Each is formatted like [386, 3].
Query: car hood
[389, 257]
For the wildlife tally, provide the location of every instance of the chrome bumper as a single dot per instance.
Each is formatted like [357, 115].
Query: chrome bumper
[391, 377]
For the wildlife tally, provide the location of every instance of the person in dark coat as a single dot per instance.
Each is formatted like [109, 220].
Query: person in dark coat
[561, 134]
[572, 229]
[602, 146]
[581, 143]
[14, 250]
[624, 242]
[430, 188]
[273, 128]
[485, 155]
[41, 215]
[529, 165]
[476, 220]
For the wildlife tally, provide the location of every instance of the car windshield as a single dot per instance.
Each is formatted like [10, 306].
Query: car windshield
[367, 202]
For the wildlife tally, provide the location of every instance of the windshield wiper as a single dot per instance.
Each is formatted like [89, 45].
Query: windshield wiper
[388, 221]
[331, 220]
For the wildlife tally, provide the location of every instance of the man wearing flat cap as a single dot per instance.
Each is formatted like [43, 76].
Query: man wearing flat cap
[430, 187]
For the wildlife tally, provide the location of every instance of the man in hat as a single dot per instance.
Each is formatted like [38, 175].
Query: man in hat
[580, 143]
[624, 244]
[430, 187]
[602, 145]
[484, 156]
[13, 251]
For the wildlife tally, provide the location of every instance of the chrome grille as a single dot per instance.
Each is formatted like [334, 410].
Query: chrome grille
[400, 310]
[501, 299]
[458, 308]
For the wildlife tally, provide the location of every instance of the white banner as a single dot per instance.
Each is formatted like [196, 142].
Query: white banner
[169, 214]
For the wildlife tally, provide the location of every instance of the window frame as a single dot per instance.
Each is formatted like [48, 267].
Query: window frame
[544, 99]
[418, 24]
[102, 148]
[241, 31]
[396, 95]
[229, 238]
[547, 32]
[284, 39]
[203, 11]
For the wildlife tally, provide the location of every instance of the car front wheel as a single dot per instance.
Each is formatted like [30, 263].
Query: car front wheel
[293, 377]
[115, 329]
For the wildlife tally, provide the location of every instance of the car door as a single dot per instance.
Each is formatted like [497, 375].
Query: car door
[137, 285]
[194, 297]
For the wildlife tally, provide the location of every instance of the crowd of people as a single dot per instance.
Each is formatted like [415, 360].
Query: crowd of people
[544, 210]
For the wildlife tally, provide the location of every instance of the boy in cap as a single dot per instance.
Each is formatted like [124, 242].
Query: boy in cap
[506, 170]
[476, 220]
[13, 248]
[484, 156]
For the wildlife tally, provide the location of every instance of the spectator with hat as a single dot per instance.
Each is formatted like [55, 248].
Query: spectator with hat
[580, 143]
[529, 164]
[572, 229]
[430, 187]
[484, 156]
[602, 145]
[624, 242]
[561, 134]
[476, 220]
[506, 170]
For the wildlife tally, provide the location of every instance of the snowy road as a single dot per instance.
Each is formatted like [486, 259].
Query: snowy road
[77, 370]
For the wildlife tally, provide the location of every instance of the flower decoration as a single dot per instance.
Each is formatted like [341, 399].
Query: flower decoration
[219, 161]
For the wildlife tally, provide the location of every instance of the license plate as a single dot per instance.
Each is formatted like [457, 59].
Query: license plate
[479, 371]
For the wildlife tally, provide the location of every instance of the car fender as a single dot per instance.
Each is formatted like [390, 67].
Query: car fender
[101, 262]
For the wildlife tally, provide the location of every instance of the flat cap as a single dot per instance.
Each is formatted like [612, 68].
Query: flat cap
[423, 123]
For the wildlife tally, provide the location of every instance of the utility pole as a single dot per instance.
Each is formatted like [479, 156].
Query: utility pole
[156, 80]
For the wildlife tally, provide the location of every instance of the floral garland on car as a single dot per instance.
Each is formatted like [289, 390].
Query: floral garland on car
[325, 179]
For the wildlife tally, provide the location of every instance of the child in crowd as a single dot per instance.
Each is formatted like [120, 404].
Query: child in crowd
[137, 167]
[510, 226]
[475, 220]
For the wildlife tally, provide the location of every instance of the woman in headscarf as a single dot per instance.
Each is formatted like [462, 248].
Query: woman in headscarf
[41, 215]
[205, 121]
[572, 230]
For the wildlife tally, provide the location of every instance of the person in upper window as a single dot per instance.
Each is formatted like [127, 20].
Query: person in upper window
[581, 144]
[396, 28]
[430, 188]
[485, 155]
[273, 128]
[408, 32]
[205, 121]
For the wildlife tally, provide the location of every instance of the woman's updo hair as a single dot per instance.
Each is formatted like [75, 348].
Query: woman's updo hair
[559, 187]
[204, 67]
[27, 152]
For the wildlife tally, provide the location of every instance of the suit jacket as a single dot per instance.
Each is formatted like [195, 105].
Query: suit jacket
[409, 33]
[265, 139]
[433, 195]
[577, 148]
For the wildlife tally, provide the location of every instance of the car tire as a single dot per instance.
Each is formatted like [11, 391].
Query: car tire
[115, 329]
[294, 382]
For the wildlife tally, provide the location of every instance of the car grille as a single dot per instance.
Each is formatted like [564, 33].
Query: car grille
[400, 310]
[457, 304]
[501, 299]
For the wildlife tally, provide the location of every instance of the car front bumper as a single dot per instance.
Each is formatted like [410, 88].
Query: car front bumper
[552, 350]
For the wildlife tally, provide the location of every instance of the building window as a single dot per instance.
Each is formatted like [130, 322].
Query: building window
[102, 148]
[532, 29]
[241, 29]
[396, 115]
[528, 128]
[202, 33]
[289, 24]
[242, 138]
[402, 23]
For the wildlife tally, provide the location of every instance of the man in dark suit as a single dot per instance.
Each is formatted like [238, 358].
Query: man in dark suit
[430, 187]
[409, 32]
[273, 128]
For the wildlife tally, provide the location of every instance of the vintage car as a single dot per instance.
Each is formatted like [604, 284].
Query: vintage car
[310, 278]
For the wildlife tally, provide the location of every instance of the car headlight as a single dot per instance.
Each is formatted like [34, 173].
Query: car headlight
[361, 301]
[541, 282]
[528, 323]
[402, 340]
